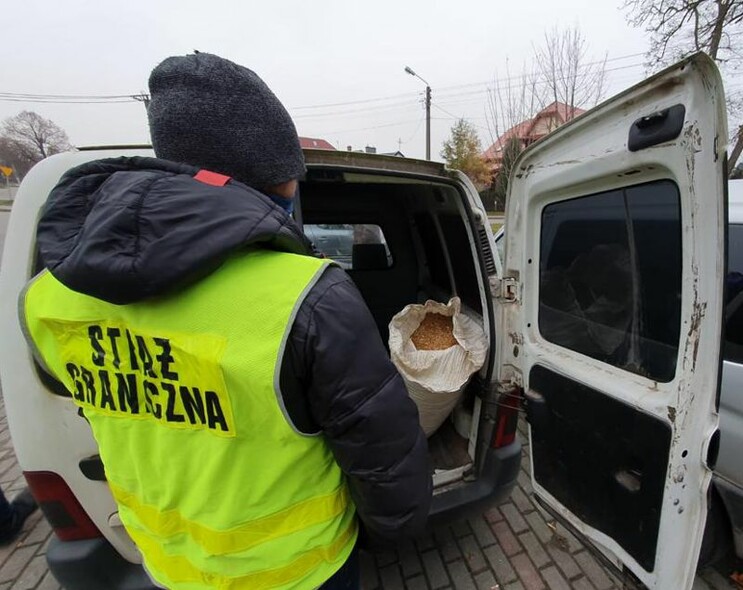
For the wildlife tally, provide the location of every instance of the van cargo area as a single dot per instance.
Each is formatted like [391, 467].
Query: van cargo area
[404, 241]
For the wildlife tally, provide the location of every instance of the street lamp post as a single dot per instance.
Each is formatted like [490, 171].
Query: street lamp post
[428, 111]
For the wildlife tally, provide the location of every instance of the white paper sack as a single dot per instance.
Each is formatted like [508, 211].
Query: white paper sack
[435, 379]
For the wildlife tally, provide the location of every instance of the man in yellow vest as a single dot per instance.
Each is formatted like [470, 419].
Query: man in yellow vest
[246, 411]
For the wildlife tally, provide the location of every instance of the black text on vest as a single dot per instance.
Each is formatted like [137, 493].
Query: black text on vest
[137, 375]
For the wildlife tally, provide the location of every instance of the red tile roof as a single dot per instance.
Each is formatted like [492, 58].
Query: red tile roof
[523, 130]
[519, 130]
[315, 144]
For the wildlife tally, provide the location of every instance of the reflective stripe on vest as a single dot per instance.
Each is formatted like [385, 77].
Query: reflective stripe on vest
[213, 483]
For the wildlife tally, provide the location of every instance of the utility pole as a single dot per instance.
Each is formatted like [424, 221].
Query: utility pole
[408, 70]
[428, 122]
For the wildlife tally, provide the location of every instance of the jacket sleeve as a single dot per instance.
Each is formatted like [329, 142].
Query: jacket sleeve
[356, 397]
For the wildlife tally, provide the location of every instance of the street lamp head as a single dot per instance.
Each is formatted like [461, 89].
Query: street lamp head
[409, 70]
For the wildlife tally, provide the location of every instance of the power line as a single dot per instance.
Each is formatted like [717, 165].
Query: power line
[417, 128]
[446, 89]
[65, 96]
[42, 101]
[443, 91]
[445, 100]
[393, 106]
[537, 83]
[373, 127]
[447, 112]
[470, 119]
[354, 102]
[476, 96]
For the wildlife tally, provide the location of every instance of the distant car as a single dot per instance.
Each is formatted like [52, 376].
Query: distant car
[335, 241]
[725, 520]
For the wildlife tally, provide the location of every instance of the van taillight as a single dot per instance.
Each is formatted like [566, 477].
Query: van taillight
[60, 506]
[508, 418]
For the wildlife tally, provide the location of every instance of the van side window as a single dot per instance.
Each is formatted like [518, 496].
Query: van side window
[458, 251]
[354, 246]
[463, 260]
[733, 349]
[610, 277]
[435, 258]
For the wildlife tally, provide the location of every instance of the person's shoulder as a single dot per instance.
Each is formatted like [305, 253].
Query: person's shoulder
[331, 301]
[334, 283]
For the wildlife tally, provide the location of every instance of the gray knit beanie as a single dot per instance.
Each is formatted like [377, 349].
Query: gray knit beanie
[209, 112]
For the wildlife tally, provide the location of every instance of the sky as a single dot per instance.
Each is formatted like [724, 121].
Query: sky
[338, 66]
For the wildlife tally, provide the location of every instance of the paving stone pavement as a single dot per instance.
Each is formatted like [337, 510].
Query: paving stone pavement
[22, 563]
[509, 547]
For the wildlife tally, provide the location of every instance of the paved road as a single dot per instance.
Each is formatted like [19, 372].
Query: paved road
[3, 227]
[8, 193]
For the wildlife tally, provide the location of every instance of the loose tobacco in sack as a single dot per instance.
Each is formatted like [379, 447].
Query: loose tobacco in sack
[435, 332]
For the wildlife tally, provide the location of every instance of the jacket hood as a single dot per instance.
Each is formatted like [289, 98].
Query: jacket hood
[127, 229]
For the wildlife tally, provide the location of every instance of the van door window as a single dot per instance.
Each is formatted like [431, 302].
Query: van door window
[610, 277]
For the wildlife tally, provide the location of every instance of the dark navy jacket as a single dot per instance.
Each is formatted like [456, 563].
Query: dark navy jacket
[128, 229]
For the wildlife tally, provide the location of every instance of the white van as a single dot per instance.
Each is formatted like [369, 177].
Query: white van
[603, 321]
[725, 521]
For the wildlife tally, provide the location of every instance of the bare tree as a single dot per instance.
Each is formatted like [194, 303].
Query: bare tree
[679, 28]
[34, 137]
[560, 73]
[11, 155]
[565, 69]
[513, 100]
[510, 152]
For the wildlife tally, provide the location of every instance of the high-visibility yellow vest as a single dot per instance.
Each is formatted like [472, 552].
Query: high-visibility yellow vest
[213, 483]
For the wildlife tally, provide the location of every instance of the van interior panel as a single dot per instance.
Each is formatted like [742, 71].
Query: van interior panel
[601, 458]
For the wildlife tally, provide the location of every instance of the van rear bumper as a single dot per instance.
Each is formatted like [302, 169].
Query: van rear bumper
[495, 483]
[94, 563]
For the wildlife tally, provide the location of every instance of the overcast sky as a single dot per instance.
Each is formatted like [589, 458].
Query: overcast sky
[310, 53]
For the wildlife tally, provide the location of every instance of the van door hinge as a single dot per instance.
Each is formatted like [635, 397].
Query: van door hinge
[505, 290]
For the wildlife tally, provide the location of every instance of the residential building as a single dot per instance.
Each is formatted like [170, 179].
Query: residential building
[314, 143]
[529, 131]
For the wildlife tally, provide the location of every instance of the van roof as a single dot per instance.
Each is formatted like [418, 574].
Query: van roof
[316, 158]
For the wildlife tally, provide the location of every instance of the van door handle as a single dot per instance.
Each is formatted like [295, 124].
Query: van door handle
[652, 120]
[656, 128]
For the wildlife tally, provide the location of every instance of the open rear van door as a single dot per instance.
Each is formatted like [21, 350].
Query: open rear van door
[612, 299]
